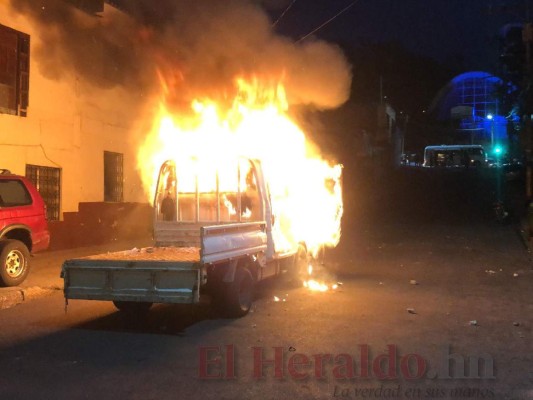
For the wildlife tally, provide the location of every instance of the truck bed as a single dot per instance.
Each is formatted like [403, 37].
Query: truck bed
[157, 275]
[179, 254]
[161, 274]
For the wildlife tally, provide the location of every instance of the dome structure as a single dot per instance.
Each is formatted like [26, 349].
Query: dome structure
[470, 102]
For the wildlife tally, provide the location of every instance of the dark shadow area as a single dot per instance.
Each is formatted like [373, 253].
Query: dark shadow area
[430, 195]
[89, 355]
[452, 205]
[162, 319]
[174, 319]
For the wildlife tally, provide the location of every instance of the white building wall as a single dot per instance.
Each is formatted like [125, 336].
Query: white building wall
[69, 126]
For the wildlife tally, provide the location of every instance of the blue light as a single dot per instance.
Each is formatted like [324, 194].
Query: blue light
[498, 150]
[490, 117]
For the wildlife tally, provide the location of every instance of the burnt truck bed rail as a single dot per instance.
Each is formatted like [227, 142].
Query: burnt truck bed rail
[160, 274]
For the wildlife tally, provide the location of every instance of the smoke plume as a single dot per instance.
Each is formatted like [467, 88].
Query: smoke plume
[199, 47]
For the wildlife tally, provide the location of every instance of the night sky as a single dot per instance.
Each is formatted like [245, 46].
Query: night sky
[445, 30]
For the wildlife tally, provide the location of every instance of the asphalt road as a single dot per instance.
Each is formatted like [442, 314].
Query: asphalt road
[425, 291]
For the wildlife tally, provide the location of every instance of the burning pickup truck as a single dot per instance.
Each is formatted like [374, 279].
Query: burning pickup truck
[216, 231]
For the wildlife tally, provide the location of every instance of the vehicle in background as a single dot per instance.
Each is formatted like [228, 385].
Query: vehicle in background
[23, 227]
[452, 156]
[513, 171]
[410, 159]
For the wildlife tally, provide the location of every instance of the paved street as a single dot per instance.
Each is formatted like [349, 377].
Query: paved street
[426, 296]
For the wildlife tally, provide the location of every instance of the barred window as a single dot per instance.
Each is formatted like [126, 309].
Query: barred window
[113, 177]
[14, 71]
[47, 180]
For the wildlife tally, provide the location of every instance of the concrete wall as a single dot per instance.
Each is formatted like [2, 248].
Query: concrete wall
[69, 126]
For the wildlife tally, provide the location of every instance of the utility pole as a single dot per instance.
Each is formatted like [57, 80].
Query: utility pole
[527, 38]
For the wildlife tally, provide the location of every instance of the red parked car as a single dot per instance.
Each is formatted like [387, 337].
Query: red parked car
[23, 227]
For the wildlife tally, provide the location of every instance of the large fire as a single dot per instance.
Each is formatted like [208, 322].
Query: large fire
[305, 189]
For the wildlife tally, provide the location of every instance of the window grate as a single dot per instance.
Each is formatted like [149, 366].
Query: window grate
[113, 177]
[47, 180]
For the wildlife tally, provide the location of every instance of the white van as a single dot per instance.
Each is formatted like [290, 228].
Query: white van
[455, 156]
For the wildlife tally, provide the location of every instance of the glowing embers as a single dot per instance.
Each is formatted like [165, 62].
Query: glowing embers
[316, 284]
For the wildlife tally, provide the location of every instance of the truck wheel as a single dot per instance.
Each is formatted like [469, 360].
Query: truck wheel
[133, 307]
[14, 262]
[238, 295]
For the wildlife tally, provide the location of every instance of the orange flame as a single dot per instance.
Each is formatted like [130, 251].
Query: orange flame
[315, 284]
[305, 189]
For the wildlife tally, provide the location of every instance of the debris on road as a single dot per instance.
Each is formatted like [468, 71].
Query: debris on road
[413, 282]
[473, 322]
[516, 323]
[490, 272]
[515, 274]
[411, 311]
[292, 348]
[278, 299]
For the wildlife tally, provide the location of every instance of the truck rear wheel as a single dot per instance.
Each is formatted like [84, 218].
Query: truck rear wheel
[237, 296]
[14, 262]
[132, 307]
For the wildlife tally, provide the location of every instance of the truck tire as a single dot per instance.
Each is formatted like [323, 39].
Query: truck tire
[14, 262]
[133, 307]
[237, 296]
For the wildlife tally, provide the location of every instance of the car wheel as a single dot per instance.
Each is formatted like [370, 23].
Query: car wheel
[14, 262]
[238, 295]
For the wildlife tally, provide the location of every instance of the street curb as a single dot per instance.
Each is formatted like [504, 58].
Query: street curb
[18, 295]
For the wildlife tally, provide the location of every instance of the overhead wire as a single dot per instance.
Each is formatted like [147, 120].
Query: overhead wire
[328, 21]
[283, 13]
